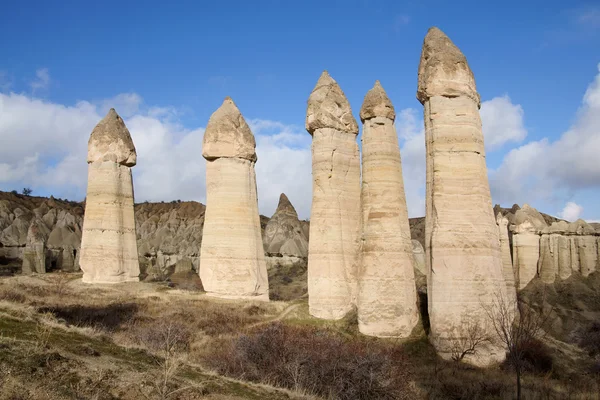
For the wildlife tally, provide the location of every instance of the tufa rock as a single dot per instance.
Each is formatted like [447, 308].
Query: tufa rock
[284, 234]
[387, 298]
[336, 211]
[108, 241]
[329, 108]
[232, 259]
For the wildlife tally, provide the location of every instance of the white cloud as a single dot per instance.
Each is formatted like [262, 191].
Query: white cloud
[544, 170]
[411, 135]
[42, 80]
[502, 122]
[571, 212]
[45, 147]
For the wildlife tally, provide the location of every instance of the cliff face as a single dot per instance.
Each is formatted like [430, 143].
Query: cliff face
[168, 234]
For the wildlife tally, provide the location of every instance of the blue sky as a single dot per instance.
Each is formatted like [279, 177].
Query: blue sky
[168, 66]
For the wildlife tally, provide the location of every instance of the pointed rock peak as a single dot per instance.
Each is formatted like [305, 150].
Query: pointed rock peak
[530, 215]
[285, 206]
[328, 107]
[228, 135]
[501, 220]
[443, 69]
[110, 141]
[377, 104]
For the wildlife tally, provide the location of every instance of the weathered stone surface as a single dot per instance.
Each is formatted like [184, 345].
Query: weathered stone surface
[336, 211]
[284, 234]
[507, 265]
[228, 135]
[461, 237]
[110, 141]
[419, 257]
[329, 108]
[387, 299]
[232, 260]
[34, 254]
[108, 242]
[527, 229]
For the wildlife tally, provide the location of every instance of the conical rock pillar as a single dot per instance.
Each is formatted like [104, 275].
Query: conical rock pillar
[232, 260]
[387, 297]
[336, 211]
[461, 237]
[108, 242]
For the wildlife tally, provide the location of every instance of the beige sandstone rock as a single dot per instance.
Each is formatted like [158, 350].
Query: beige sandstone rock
[507, 265]
[527, 230]
[284, 233]
[34, 254]
[387, 299]
[461, 237]
[108, 241]
[419, 257]
[336, 210]
[232, 261]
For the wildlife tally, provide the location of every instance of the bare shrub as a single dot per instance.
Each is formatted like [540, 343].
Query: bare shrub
[168, 343]
[519, 328]
[588, 338]
[469, 344]
[103, 317]
[308, 360]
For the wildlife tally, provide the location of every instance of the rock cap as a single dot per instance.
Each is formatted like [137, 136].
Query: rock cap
[377, 104]
[528, 219]
[110, 141]
[443, 69]
[328, 107]
[228, 135]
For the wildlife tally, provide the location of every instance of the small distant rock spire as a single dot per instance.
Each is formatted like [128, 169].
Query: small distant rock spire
[228, 135]
[328, 107]
[110, 141]
[285, 206]
[377, 104]
[443, 69]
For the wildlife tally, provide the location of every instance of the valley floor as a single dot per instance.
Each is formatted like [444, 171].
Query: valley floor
[62, 339]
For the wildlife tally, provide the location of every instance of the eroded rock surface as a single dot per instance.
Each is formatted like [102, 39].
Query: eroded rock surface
[336, 211]
[284, 233]
[461, 237]
[526, 231]
[387, 299]
[232, 260]
[108, 242]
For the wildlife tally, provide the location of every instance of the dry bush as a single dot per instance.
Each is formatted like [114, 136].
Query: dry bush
[588, 338]
[108, 317]
[313, 361]
[468, 345]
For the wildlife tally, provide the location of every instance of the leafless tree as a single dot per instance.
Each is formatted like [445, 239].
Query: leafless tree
[474, 336]
[517, 326]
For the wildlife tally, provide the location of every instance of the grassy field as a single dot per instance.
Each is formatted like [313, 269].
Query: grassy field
[61, 339]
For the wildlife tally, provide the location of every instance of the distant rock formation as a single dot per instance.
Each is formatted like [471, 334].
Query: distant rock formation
[461, 237]
[526, 230]
[387, 298]
[336, 210]
[232, 260]
[108, 241]
[284, 233]
[507, 264]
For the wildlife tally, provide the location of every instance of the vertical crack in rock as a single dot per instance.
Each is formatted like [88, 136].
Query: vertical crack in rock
[387, 298]
[232, 260]
[463, 249]
[335, 214]
[108, 242]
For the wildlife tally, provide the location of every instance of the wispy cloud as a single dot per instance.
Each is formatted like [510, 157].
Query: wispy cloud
[42, 80]
[5, 81]
[400, 21]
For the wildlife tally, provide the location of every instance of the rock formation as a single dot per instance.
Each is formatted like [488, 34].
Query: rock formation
[34, 254]
[232, 260]
[108, 242]
[284, 233]
[387, 299]
[461, 236]
[419, 257]
[526, 231]
[568, 247]
[507, 264]
[336, 210]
